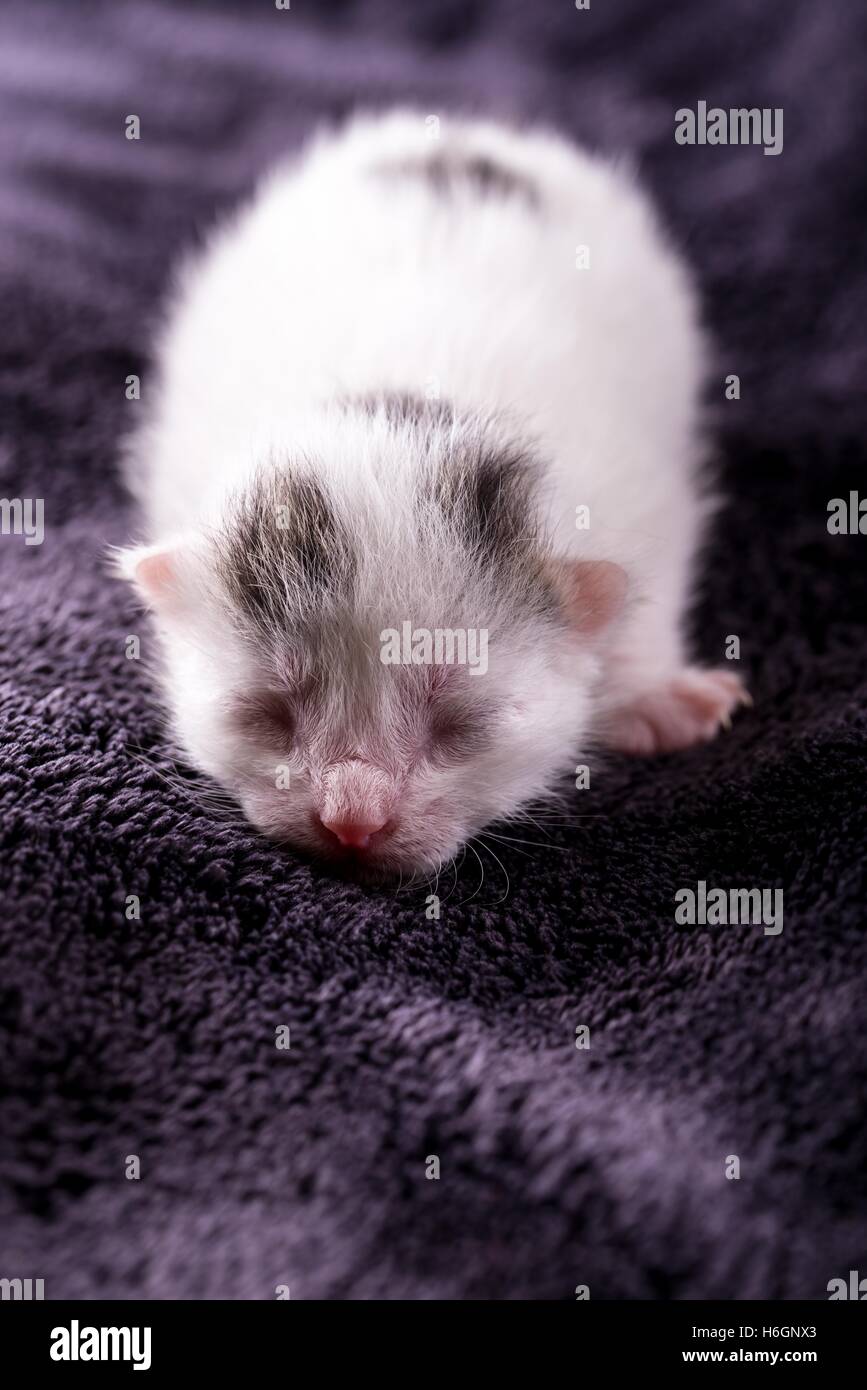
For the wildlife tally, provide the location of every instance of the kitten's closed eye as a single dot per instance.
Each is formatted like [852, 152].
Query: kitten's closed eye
[457, 732]
[268, 716]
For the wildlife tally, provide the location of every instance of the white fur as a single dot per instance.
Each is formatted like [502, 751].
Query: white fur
[334, 281]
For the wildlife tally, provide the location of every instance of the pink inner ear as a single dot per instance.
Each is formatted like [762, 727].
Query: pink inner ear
[155, 576]
[594, 592]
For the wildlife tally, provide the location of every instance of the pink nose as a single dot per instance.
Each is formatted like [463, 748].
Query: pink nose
[353, 834]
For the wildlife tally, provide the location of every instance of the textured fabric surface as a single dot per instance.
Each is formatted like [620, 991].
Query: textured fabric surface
[411, 1037]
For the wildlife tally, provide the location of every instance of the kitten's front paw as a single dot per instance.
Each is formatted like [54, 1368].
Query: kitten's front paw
[689, 708]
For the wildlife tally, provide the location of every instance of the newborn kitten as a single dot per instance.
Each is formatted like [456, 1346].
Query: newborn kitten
[425, 398]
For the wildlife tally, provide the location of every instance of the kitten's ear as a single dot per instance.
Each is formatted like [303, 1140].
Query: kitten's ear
[593, 592]
[154, 571]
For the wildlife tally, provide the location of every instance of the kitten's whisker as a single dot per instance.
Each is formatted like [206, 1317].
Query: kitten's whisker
[469, 845]
[534, 844]
[511, 844]
[502, 866]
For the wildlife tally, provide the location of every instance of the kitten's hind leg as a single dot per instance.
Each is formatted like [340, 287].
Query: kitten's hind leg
[654, 701]
[690, 706]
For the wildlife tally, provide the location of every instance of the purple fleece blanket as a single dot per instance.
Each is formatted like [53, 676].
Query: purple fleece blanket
[155, 1035]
